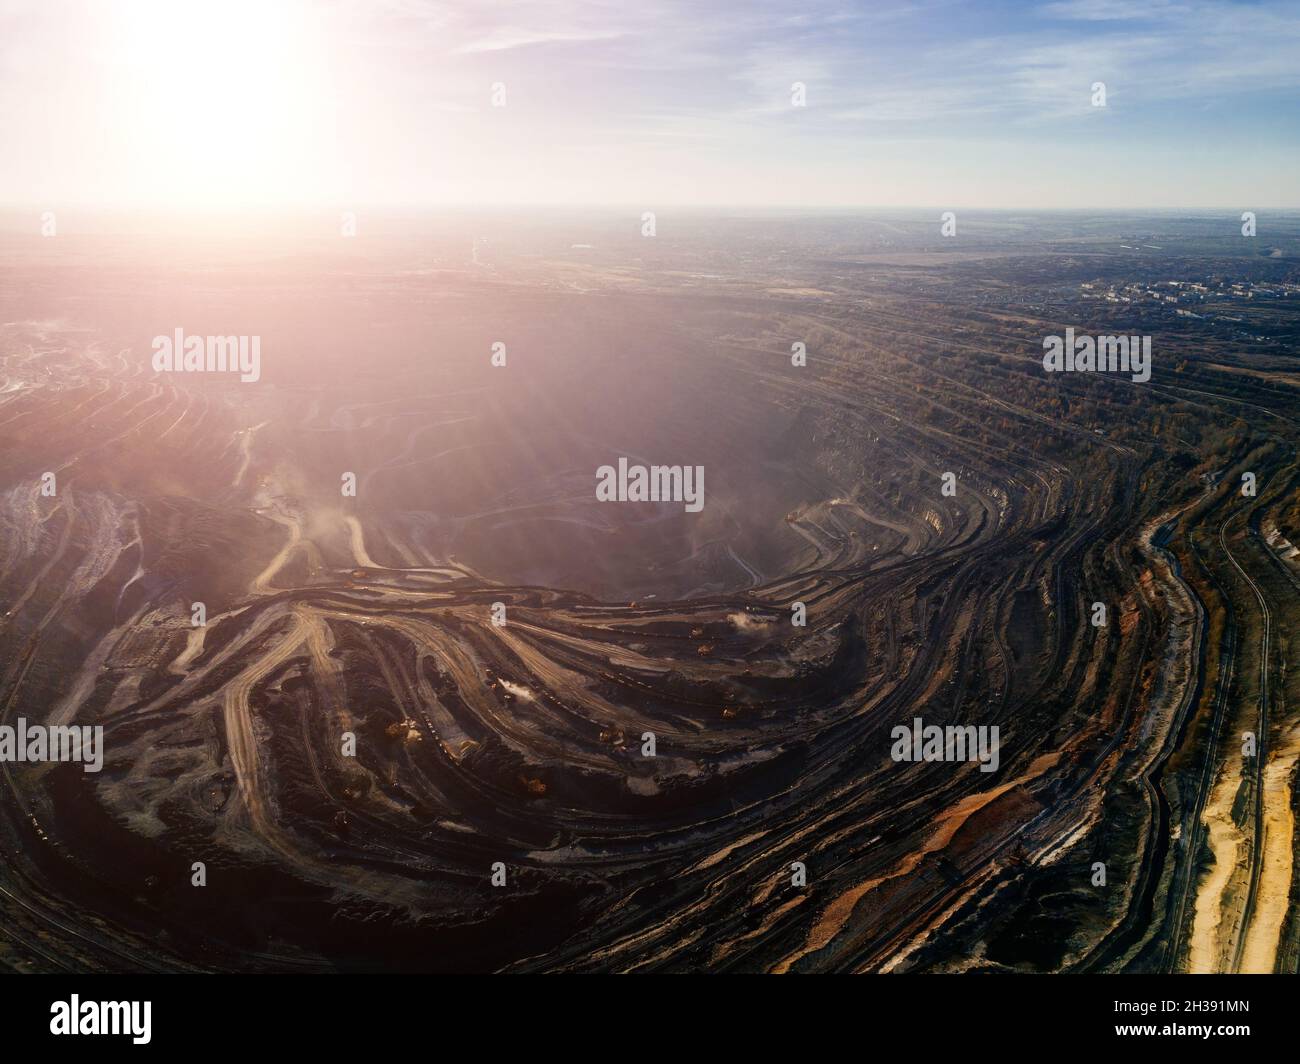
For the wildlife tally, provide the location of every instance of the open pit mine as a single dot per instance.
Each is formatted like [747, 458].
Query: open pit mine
[386, 683]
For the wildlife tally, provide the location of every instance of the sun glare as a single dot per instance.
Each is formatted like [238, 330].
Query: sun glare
[220, 104]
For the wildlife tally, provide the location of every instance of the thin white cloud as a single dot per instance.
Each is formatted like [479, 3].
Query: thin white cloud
[505, 39]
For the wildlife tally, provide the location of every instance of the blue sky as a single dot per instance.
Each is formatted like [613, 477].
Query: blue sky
[650, 103]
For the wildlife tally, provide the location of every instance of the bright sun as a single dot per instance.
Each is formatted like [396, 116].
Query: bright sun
[220, 103]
